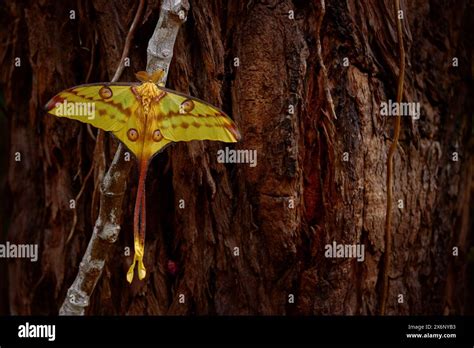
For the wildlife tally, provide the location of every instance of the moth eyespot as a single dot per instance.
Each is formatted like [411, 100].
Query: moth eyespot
[132, 134]
[105, 92]
[186, 106]
[157, 136]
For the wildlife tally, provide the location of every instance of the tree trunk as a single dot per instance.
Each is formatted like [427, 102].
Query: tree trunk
[249, 237]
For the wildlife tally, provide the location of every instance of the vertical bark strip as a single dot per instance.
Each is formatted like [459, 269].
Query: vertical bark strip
[391, 152]
[107, 225]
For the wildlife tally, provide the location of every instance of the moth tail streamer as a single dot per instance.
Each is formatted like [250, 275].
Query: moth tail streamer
[139, 226]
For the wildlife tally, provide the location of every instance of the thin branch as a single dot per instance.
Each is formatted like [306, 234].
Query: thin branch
[160, 46]
[106, 230]
[128, 41]
[391, 152]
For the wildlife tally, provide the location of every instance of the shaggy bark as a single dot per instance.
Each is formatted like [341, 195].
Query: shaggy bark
[300, 159]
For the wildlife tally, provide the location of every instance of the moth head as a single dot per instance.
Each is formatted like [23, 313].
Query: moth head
[155, 77]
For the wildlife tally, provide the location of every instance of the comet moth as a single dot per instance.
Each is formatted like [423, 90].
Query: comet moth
[145, 117]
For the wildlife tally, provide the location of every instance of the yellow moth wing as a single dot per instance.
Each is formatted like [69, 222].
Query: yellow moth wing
[183, 118]
[104, 106]
[133, 134]
[155, 141]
